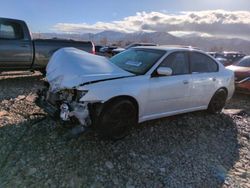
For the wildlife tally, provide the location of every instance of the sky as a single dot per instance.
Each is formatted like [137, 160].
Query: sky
[74, 16]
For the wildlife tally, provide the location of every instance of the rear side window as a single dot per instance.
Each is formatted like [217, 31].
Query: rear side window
[178, 62]
[202, 63]
[10, 30]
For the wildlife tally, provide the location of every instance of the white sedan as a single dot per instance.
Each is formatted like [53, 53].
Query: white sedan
[137, 85]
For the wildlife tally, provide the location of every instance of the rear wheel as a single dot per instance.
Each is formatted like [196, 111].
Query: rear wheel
[217, 102]
[116, 119]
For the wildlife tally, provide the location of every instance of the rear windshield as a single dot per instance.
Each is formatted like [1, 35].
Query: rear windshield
[137, 61]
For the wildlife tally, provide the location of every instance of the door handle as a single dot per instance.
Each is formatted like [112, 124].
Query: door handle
[214, 79]
[185, 81]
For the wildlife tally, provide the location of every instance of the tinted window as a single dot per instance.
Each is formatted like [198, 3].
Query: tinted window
[178, 62]
[137, 61]
[202, 63]
[9, 30]
[244, 62]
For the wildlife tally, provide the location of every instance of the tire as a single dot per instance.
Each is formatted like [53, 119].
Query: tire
[116, 119]
[217, 102]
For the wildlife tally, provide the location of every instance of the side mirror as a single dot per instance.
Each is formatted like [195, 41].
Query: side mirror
[164, 71]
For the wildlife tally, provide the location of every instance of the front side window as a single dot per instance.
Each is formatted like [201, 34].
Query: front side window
[201, 63]
[137, 61]
[10, 30]
[178, 62]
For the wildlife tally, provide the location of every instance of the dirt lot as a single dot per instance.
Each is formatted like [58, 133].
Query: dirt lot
[191, 150]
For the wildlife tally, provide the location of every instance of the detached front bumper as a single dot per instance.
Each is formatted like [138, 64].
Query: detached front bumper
[47, 107]
[67, 111]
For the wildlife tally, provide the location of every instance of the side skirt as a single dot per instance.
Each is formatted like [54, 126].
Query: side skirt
[161, 115]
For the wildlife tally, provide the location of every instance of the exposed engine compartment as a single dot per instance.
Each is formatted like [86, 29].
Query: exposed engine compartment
[66, 105]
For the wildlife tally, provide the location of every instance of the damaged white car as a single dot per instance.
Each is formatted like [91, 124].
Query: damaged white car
[140, 84]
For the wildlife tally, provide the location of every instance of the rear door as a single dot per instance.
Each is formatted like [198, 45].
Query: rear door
[15, 49]
[170, 94]
[204, 78]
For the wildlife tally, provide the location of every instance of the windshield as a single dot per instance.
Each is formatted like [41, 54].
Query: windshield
[244, 62]
[137, 61]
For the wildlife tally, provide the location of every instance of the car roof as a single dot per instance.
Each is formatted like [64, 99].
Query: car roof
[246, 57]
[10, 19]
[144, 43]
[233, 52]
[169, 47]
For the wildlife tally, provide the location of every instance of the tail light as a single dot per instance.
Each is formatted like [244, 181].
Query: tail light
[93, 48]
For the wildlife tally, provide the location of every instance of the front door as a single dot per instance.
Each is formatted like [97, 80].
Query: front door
[170, 94]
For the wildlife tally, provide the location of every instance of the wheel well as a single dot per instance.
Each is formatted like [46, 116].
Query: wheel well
[215, 110]
[223, 89]
[124, 97]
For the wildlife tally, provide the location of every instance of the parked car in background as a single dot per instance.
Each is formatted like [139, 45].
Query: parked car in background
[18, 51]
[107, 50]
[222, 60]
[242, 74]
[215, 54]
[227, 57]
[232, 57]
[119, 50]
[140, 84]
[97, 49]
[218, 56]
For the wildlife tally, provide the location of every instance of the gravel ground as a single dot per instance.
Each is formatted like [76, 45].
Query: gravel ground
[190, 150]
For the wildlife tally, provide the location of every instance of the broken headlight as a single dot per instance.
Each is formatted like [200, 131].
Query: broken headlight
[67, 95]
[70, 95]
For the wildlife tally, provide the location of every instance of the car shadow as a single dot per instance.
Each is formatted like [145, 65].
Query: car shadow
[190, 150]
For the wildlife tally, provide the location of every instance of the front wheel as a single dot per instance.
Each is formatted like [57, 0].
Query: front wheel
[116, 119]
[217, 102]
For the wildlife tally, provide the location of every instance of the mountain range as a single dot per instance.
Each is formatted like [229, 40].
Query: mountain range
[161, 38]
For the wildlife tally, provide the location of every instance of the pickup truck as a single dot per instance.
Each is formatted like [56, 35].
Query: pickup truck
[18, 51]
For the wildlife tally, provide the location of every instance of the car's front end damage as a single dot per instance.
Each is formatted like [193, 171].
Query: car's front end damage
[68, 71]
[65, 105]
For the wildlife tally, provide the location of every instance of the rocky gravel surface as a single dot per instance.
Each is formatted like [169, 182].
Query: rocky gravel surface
[190, 150]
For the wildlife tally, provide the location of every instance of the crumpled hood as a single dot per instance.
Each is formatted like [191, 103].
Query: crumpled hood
[70, 67]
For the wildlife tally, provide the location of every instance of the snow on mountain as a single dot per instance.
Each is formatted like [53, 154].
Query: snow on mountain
[109, 35]
[209, 43]
[123, 39]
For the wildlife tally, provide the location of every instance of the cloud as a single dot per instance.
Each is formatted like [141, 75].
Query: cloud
[189, 33]
[211, 22]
